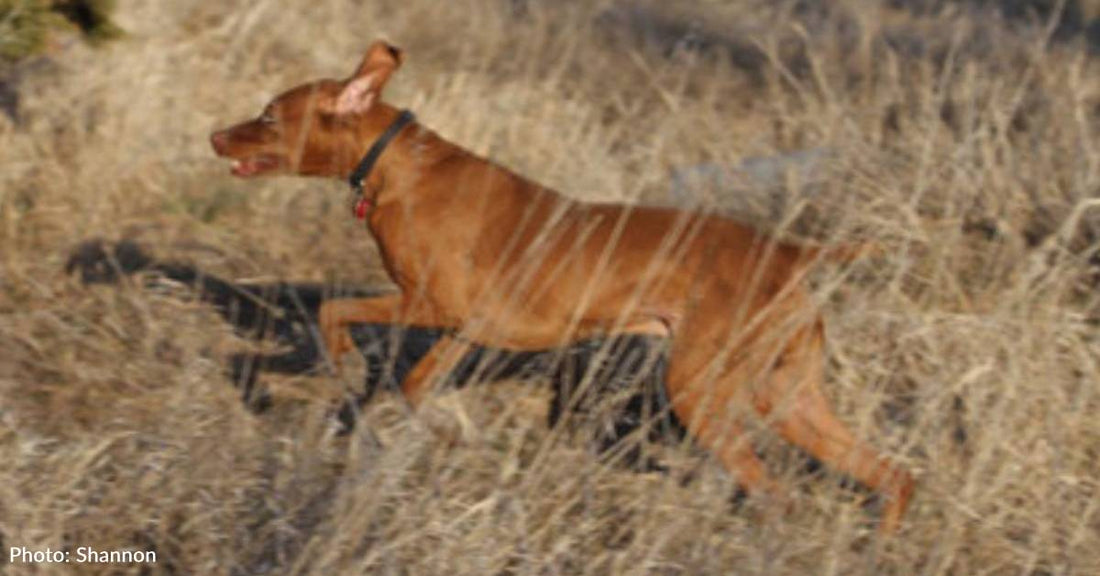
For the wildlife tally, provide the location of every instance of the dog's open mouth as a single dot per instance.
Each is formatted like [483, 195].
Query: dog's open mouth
[255, 165]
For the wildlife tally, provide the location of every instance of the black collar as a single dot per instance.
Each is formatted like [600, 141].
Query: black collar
[367, 163]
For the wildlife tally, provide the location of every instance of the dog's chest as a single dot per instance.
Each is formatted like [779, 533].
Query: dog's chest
[421, 255]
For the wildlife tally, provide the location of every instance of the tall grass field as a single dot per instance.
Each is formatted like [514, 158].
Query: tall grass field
[962, 138]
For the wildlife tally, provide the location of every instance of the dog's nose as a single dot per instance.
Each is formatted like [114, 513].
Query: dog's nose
[219, 141]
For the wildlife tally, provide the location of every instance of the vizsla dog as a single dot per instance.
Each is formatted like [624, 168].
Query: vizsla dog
[500, 261]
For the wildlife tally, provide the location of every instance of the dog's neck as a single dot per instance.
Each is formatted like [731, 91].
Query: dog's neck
[414, 149]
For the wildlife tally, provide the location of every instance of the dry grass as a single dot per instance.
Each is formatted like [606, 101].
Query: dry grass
[969, 352]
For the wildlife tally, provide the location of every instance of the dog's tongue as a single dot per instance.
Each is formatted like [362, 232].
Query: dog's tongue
[361, 208]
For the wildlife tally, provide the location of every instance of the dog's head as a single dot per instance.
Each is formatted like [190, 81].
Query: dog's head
[315, 129]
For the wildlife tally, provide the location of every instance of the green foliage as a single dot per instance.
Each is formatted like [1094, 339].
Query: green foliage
[92, 17]
[26, 25]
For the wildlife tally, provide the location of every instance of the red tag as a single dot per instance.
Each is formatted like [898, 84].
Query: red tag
[361, 209]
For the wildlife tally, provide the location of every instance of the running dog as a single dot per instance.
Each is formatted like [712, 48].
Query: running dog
[493, 259]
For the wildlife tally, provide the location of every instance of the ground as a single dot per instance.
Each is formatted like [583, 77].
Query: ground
[964, 144]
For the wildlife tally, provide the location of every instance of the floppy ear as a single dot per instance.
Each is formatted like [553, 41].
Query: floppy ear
[361, 90]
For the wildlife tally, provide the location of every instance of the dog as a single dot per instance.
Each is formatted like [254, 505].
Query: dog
[493, 259]
[582, 376]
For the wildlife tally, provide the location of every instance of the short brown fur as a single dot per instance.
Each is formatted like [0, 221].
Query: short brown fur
[504, 262]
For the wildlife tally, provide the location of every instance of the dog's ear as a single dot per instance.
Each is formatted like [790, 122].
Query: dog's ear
[363, 88]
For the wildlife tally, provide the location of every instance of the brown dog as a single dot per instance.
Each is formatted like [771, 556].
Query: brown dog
[503, 262]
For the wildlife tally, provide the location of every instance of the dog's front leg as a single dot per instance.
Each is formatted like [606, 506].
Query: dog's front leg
[337, 316]
[428, 375]
[434, 368]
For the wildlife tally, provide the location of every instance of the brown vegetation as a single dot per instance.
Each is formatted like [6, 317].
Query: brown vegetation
[969, 352]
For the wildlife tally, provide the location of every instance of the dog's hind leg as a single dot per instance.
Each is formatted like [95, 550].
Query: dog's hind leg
[796, 407]
[704, 404]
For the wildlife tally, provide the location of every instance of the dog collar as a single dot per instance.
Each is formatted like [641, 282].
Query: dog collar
[362, 171]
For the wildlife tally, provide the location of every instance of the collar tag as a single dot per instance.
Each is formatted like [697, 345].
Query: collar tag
[362, 208]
